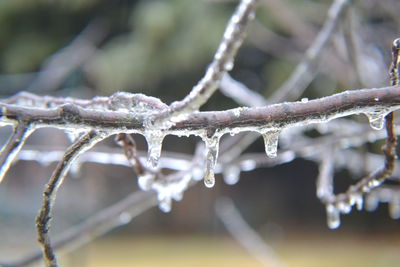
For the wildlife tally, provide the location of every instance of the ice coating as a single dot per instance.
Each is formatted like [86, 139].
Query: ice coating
[333, 216]
[212, 145]
[271, 138]
[154, 142]
[377, 118]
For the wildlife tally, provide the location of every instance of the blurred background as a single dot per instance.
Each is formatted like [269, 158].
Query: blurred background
[88, 48]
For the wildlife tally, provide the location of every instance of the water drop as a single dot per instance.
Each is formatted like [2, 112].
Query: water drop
[145, 181]
[333, 216]
[229, 65]
[356, 199]
[231, 174]
[394, 208]
[374, 183]
[154, 142]
[371, 202]
[343, 207]
[304, 100]
[125, 217]
[377, 118]
[211, 159]
[271, 142]
[248, 165]
[165, 204]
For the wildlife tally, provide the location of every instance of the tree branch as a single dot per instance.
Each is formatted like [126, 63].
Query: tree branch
[284, 115]
[49, 195]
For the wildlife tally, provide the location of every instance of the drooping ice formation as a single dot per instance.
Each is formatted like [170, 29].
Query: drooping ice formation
[377, 118]
[212, 145]
[333, 216]
[271, 138]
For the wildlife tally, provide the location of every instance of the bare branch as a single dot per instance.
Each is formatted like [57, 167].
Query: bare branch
[242, 232]
[106, 220]
[240, 93]
[13, 146]
[223, 61]
[284, 115]
[44, 217]
[305, 71]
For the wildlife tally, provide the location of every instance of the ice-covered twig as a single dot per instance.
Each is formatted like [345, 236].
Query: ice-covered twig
[13, 146]
[305, 71]
[374, 102]
[59, 65]
[44, 217]
[240, 93]
[223, 61]
[244, 234]
[96, 225]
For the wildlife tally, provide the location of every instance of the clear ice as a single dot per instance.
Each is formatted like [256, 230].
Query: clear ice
[271, 138]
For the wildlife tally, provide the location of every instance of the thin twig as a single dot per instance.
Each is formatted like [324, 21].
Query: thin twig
[305, 71]
[70, 116]
[102, 222]
[13, 146]
[45, 214]
[223, 61]
[244, 234]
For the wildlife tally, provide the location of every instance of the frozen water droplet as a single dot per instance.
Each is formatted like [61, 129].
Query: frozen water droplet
[248, 165]
[374, 183]
[209, 178]
[394, 208]
[165, 204]
[343, 207]
[371, 202]
[211, 159]
[356, 199]
[333, 216]
[377, 118]
[177, 196]
[229, 65]
[304, 100]
[145, 181]
[231, 174]
[125, 217]
[154, 142]
[197, 173]
[271, 142]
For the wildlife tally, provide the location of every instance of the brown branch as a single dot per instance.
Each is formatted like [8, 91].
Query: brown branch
[45, 214]
[97, 225]
[305, 71]
[13, 146]
[223, 61]
[241, 119]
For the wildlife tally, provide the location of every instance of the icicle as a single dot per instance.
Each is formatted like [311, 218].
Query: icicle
[145, 181]
[154, 142]
[356, 199]
[371, 202]
[165, 203]
[377, 118]
[394, 208]
[212, 145]
[343, 207]
[231, 174]
[333, 216]
[271, 142]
